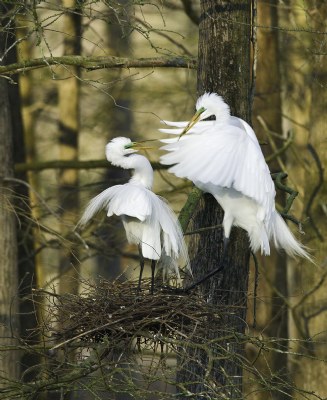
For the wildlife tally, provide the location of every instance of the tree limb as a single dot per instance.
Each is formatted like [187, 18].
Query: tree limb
[72, 164]
[95, 63]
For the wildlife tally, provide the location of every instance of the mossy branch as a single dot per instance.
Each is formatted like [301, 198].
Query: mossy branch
[189, 207]
[95, 63]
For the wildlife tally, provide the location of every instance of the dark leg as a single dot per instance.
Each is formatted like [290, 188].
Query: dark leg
[153, 267]
[141, 268]
[215, 271]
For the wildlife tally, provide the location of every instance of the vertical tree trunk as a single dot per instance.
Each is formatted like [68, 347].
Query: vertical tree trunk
[9, 324]
[310, 315]
[271, 315]
[224, 67]
[26, 261]
[69, 92]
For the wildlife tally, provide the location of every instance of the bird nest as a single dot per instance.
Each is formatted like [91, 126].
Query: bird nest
[118, 313]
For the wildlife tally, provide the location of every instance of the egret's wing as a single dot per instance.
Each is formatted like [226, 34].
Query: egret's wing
[97, 204]
[128, 199]
[227, 157]
[151, 238]
[179, 126]
[131, 200]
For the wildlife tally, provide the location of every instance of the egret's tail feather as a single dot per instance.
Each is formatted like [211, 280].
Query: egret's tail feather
[284, 239]
[97, 204]
[259, 240]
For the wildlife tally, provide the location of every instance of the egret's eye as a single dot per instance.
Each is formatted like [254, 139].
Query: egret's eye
[129, 145]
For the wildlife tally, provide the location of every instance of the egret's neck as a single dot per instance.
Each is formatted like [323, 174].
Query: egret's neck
[143, 172]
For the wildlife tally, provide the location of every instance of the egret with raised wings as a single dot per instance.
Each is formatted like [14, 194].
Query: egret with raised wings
[223, 157]
[148, 220]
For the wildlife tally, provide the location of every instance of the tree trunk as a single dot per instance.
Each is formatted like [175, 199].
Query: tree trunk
[69, 92]
[224, 67]
[309, 313]
[26, 264]
[271, 314]
[9, 324]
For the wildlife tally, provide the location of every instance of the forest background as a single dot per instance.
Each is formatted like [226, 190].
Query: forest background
[74, 74]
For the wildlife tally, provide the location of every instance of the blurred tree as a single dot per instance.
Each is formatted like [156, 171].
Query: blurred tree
[69, 125]
[307, 100]
[271, 316]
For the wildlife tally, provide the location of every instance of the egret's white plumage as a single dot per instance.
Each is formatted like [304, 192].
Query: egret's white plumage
[223, 157]
[148, 220]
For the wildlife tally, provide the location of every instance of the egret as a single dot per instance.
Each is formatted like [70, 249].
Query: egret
[223, 157]
[148, 220]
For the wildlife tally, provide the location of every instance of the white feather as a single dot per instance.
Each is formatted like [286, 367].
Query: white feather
[224, 158]
[147, 218]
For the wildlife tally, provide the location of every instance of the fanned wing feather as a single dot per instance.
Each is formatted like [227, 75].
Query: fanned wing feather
[126, 199]
[97, 204]
[147, 219]
[227, 158]
[131, 200]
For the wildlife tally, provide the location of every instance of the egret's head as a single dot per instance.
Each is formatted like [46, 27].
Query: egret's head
[119, 146]
[207, 105]
[122, 146]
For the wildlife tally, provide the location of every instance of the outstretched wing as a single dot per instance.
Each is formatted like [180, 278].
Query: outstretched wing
[227, 157]
[128, 199]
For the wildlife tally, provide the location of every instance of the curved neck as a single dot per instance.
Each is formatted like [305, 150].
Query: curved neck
[143, 172]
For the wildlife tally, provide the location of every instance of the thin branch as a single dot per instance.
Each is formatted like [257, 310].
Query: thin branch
[95, 63]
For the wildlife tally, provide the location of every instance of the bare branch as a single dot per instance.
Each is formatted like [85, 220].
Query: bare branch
[72, 164]
[95, 63]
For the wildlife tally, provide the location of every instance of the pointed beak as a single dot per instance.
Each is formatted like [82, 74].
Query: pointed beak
[137, 146]
[193, 121]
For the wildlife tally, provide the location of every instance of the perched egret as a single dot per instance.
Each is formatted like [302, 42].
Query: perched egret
[223, 157]
[148, 220]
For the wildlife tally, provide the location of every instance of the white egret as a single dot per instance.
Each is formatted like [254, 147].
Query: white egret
[223, 157]
[148, 220]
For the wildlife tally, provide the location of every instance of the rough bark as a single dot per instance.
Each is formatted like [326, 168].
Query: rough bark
[223, 67]
[9, 323]
[26, 261]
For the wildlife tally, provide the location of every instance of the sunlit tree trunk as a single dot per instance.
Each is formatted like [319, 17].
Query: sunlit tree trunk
[28, 118]
[308, 282]
[224, 67]
[69, 92]
[271, 314]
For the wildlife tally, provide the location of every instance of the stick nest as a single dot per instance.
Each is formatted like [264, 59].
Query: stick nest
[117, 312]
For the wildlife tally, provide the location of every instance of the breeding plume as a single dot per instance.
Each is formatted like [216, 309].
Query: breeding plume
[223, 157]
[148, 220]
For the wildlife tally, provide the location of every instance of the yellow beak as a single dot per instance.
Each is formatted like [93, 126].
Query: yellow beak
[137, 146]
[193, 121]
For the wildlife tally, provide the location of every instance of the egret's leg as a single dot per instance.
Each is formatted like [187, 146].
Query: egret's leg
[153, 267]
[141, 268]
